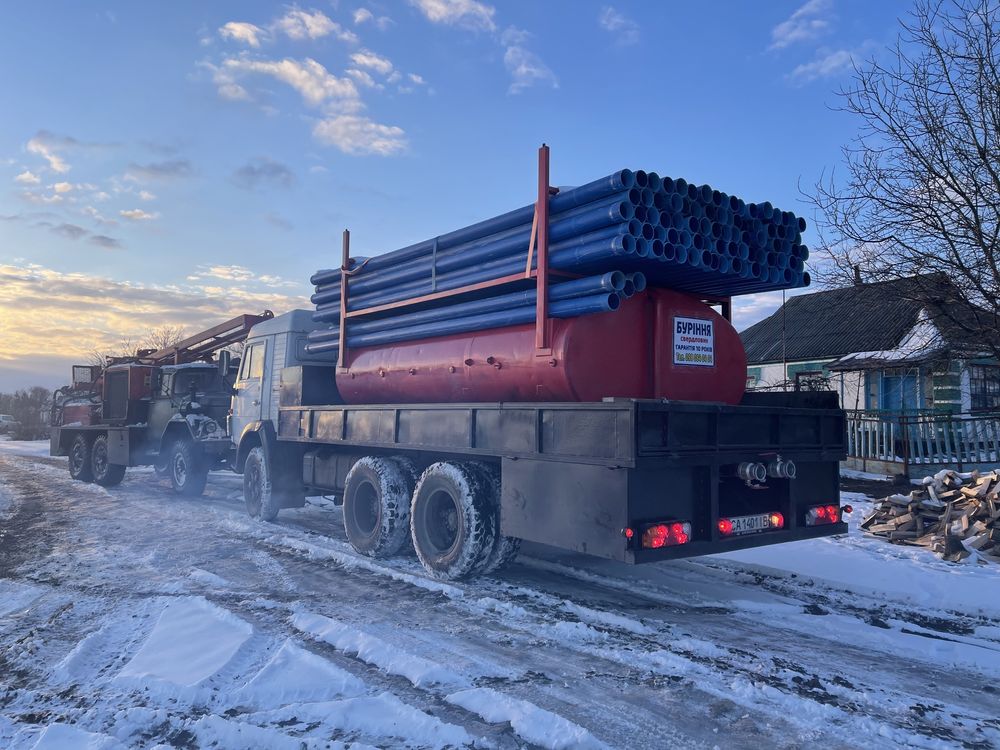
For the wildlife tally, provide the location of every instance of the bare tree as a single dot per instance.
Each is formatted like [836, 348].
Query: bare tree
[163, 336]
[921, 193]
[126, 347]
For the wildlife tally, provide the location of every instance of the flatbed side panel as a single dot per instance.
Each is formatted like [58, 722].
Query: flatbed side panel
[601, 434]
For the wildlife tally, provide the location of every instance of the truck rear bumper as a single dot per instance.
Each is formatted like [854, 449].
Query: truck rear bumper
[746, 541]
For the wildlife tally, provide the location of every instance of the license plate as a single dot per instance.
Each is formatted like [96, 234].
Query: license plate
[751, 524]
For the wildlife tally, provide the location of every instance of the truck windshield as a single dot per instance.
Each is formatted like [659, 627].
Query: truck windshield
[202, 381]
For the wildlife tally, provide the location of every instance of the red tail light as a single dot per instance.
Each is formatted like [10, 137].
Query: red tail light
[725, 526]
[821, 514]
[777, 521]
[666, 535]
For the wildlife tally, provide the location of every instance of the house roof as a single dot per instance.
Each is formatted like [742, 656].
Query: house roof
[861, 318]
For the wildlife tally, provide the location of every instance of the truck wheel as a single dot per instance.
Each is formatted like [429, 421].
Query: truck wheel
[188, 473]
[377, 496]
[257, 492]
[104, 472]
[79, 459]
[504, 548]
[451, 520]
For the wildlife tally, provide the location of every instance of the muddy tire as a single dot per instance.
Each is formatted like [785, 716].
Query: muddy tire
[79, 460]
[504, 549]
[258, 493]
[188, 473]
[377, 497]
[104, 472]
[452, 520]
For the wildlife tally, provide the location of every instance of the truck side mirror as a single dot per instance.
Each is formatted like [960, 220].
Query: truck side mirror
[225, 360]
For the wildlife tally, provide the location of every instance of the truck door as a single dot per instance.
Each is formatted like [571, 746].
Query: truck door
[247, 398]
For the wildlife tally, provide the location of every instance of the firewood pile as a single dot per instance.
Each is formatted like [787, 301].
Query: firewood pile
[950, 514]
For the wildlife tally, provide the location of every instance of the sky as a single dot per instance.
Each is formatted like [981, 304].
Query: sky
[180, 163]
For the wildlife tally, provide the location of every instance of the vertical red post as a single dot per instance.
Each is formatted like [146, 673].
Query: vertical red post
[542, 276]
[344, 268]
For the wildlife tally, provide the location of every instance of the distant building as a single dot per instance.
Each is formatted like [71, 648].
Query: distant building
[886, 346]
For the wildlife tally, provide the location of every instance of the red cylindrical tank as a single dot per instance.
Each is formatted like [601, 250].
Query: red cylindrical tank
[659, 344]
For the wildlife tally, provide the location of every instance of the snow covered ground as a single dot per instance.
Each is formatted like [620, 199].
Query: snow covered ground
[132, 618]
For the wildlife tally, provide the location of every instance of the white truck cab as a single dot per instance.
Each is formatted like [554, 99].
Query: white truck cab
[270, 347]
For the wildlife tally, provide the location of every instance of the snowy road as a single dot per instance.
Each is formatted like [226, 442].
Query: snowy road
[132, 618]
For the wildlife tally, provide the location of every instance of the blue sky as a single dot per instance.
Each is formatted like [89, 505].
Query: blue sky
[181, 162]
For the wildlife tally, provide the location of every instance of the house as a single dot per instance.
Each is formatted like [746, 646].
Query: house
[903, 345]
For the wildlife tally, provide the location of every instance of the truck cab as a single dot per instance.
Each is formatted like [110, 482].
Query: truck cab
[270, 347]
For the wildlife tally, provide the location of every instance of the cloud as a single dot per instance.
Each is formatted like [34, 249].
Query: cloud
[810, 21]
[62, 187]
[418, 80]
[309, 78]
[239, 31]
[145, 195]
[468, 14]
[299, 24]
[46, 146]
[363, 15]
[72, 231]
[362, 77]
[626, 30]
[83, 312]
[262, 172]
[108, 243]
[34, 197]
[525, 67]
[51, 146]
[828, 64]
[357, 135]
[137, 214]
[368, 59]
[279, 221]
[163, 170]
[96, 215]
[27, 178]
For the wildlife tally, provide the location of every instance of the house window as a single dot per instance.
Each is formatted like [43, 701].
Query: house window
[984, 385]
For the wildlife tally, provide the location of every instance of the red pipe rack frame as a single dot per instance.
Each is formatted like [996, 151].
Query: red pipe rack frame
[539, 239]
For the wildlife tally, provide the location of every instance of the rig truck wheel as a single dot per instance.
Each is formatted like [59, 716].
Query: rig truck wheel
[188, 473]
[257, 488]
[377, 496]
[79, 459]
[104, 472]
[452, 520]
[504, 548]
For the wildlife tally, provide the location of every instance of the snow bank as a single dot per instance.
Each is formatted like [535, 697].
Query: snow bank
[63, 737]
[25, 447]
[293, 675]
[384, 716]
[192, 640]
[869, 565]
[14, 597]
[375, 651]
[531, 723]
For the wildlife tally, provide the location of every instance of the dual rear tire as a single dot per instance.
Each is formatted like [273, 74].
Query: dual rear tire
[89, 461]
[450, 514]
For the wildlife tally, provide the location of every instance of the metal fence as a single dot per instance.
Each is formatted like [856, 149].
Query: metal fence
[923, 439]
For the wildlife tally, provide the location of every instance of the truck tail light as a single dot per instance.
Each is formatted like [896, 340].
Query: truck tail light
[659, 535]
[821, 514]
[777, 521]
[725, 526]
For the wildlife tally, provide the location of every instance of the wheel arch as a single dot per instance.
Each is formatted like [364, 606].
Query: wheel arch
[256, 434]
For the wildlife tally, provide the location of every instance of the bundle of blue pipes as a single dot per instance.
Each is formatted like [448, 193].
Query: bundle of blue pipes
[617, 233]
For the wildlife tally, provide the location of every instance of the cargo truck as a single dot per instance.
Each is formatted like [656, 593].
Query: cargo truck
[634, 480]
[478, 389]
